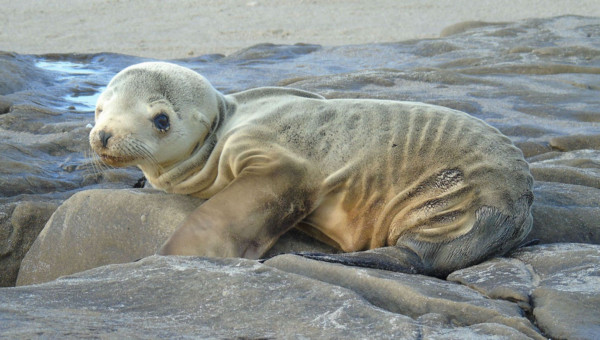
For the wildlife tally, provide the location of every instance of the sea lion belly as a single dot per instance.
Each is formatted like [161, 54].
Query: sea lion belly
[335, 225]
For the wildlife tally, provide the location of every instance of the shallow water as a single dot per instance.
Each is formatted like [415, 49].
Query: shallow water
[538, 81]
[84, 97]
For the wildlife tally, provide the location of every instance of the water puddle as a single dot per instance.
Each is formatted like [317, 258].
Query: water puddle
[84, 102]
[65, 67]
[80, 80]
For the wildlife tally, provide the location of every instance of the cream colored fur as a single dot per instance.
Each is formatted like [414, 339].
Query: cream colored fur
[357, 174]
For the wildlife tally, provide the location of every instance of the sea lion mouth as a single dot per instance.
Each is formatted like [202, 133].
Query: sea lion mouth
[115, 160]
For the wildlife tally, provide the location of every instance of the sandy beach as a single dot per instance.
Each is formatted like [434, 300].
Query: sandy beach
[180, 29]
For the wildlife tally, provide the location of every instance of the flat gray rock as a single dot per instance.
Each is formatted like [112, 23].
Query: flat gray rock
[553, 287]
[558, 285]
[416, 296]
[20, 224]
[99, 227]
[182, 297]
[567, 297]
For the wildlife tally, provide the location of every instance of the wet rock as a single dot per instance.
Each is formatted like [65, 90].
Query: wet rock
[271, 52]
[530, 149]
[580, 167]
[566, 299]
[175, 297]
[99, 227]
[19, 226]
[18, 74]
[565, 213]
[557, 285]
[430, 48]
[577, 142]
[412, 295]
[5, 105]
[466, 26]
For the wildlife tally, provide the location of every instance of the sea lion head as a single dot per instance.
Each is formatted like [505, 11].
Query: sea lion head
[153, 115]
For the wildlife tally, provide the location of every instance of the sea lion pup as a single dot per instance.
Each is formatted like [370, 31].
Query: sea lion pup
[402, 186]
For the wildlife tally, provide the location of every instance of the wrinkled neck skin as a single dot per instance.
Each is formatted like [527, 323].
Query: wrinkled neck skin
[170, 178]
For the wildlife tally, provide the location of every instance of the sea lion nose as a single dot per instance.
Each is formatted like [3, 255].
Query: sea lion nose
[104, 136]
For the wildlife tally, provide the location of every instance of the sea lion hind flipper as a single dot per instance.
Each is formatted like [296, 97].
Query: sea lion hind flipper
[493, 234]
[397, 259]
[529, 243]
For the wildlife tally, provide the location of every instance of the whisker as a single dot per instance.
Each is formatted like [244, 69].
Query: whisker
[143, 150]
[93, 164]
[133, 147]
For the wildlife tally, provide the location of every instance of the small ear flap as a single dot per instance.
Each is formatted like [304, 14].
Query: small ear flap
[205, 121]
[197, 125]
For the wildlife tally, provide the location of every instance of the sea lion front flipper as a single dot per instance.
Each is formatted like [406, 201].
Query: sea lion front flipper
[267, 197]
[394, 258]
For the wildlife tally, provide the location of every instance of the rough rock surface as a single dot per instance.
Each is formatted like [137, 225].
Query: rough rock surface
[98, 227]
[553, 287]
[565, 213]
[20, 224]
[558, 284]
[567, 297]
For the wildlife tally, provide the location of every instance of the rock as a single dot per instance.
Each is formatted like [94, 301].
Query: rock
[289, 295]
[18, 75]
[567, 297]
[416, 296]
[574, 167]
[500, 278]
[43, 158]
[556, 284]
[180, 297]
[576, 142]
[5, 105]
[565, 213]
[99, 227]
[20, 224]
[95, 227]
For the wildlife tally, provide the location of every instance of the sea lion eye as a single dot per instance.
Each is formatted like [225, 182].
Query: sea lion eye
[161, 122]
